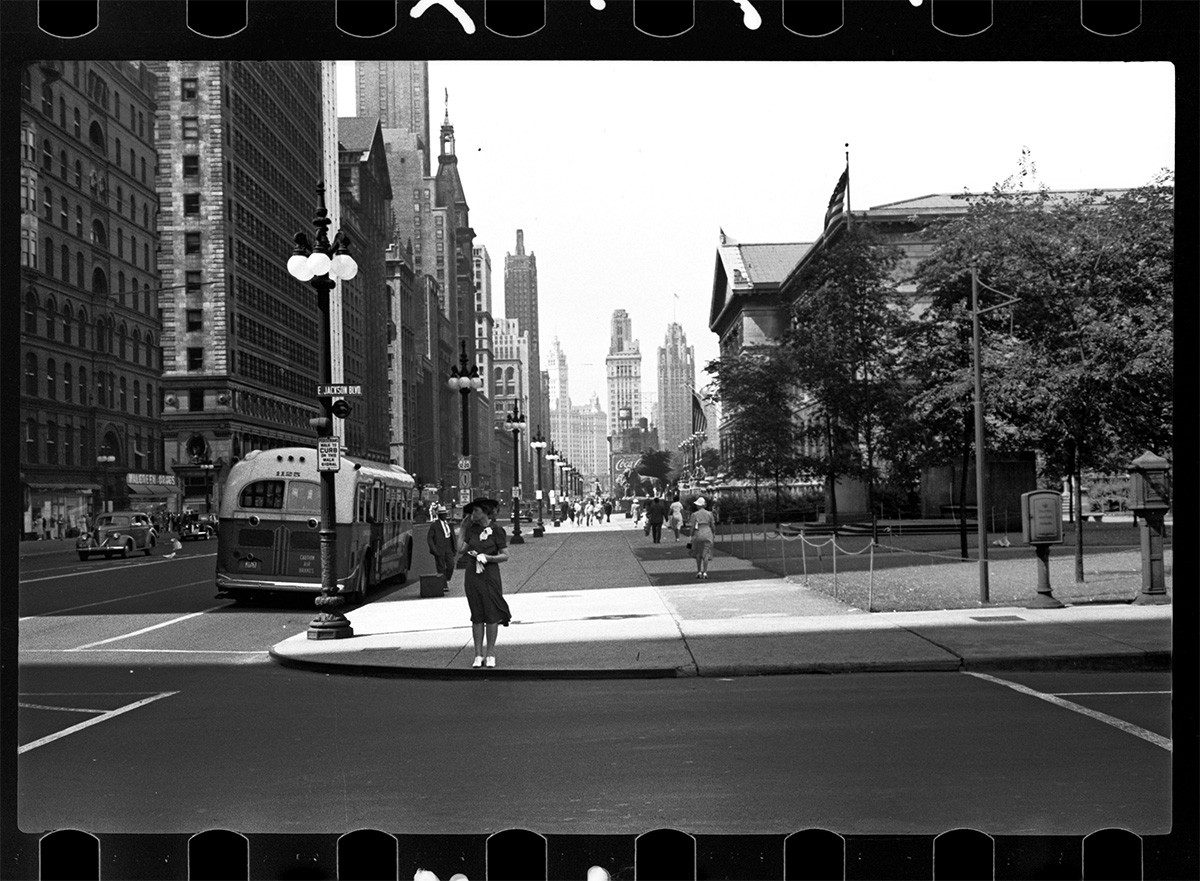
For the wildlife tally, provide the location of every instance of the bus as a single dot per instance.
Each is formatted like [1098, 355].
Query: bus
[268, 536]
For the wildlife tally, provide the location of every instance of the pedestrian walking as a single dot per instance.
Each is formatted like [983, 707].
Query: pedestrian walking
[485, 542]
[442, 543]
[608, 510]
[675, 517]
[656, 513]
[703, 536]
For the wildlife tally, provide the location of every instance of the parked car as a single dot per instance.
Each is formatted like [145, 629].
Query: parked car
[121, 532]
[199, 526]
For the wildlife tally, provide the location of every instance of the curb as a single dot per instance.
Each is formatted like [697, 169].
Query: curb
[1146, 661]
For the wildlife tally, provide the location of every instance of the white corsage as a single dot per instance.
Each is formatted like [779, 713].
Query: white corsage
[485, 534]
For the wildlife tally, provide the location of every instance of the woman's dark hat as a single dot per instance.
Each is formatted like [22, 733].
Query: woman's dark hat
[489, 506]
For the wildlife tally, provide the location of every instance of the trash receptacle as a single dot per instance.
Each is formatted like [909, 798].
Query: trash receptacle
[433, 585]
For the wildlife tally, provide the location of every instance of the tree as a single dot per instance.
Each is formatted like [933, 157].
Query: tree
[757, 390]
[847, 329]
[1081, 368]
[656, 465]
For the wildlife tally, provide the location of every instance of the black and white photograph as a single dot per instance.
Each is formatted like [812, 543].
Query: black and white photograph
[648, 464]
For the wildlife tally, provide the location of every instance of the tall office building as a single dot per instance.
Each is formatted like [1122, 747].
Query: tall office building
[241, 146]
[676, 379]
[623, 367]
[398, 93]
[521, 303]
[90, 340]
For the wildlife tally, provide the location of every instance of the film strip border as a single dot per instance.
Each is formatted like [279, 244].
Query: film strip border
[218, 19]
[1132, 30]
[962, 855]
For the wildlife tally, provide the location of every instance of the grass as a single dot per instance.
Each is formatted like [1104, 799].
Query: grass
[916, 573]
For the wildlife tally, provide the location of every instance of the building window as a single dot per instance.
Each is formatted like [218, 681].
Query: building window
[121, 342]
[47, 156]
[52, 443]
[51, 379]
[195, 320]
[137, 345]
[31, 446]
[193, 281]
[78, 174]
[47, 101]
[195, 358]
[191, 166]
[191, 243]
[68, 444]
[78, 127]
[51, 314]
[68, 377]
[27, 85]
[47, 205]
[82, 386]
[79, 223]
[133, 249]
[191, 128]
[142, 168]
[31, 374]
[146, 255]
[49, 257]
[132, 207]
[62, 165]
[196, 399]
[137, 398]
[62, 212]
[191, 203]
[120, 243]
[117, 156]
[188, 88]
[66, 264]
[31, 307]
[124, 401]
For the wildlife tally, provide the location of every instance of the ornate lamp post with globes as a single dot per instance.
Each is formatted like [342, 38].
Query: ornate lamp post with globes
[465, 379]
[552, 458]
[539, 443]
[322, 265]
[515, 423]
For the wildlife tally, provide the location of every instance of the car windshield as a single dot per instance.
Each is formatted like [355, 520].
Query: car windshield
[114, 521]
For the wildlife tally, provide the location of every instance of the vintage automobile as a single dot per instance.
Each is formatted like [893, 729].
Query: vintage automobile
[121, 532]
[198, 526]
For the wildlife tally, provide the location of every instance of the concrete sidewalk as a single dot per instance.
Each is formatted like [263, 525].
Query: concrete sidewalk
[604, 602]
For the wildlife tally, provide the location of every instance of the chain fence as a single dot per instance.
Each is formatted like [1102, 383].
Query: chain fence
[885, 571]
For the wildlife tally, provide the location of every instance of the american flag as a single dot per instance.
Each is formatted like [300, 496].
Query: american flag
[699, 420]
[836, 202]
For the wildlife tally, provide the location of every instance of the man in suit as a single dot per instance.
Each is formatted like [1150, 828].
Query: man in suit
[442, 543]
[656, 513]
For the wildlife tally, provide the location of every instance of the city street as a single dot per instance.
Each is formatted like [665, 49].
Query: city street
[127, 665]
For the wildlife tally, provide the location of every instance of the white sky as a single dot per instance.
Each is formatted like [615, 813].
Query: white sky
[622, 173]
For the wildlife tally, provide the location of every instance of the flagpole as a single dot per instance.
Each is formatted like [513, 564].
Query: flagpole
[848, 221]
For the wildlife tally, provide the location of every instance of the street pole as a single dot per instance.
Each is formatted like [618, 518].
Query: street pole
[539, 443]
[980, 521]
[315, 265]
[515, 423]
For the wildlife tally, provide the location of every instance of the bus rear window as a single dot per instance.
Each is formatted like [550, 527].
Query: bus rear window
[262, 494]
[304, 497]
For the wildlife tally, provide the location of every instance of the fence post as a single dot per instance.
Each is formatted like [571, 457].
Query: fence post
[804, 556]
[783, 550]
[833, 541]
[871, 581]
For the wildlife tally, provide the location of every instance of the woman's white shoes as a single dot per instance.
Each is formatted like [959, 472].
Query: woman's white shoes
[491, 662]
[478, 662]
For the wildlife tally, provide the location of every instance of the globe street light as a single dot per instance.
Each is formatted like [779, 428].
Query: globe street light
[515, 423]
[552, 458]
[465, 379]
[322, 265]
[539, 444]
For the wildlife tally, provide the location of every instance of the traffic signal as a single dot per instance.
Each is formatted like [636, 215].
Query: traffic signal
[341, 409]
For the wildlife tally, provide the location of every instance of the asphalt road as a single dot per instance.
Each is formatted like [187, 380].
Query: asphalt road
[149, 706]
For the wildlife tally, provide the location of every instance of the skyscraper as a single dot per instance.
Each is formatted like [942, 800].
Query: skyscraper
[623, 367]
[398, 93]
[521, 303]
[240, 146]
[676, 379]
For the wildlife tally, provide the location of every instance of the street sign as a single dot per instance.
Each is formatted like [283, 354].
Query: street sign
[464, 496]
[464, 479]
[338, 391]
[329, 454]
[464, 463]
[516, 491]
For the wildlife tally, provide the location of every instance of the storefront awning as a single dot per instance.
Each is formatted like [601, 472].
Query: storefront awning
[149, 489]
[81, 488]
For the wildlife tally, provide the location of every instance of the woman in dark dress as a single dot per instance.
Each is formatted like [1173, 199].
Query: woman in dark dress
[486, 543]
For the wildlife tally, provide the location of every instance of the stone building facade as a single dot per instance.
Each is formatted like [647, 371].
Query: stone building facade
[90, 329]
[676, 380]
[623, 368]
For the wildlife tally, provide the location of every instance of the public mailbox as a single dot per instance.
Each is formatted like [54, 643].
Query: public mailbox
[1149, 483]
[1041, 517]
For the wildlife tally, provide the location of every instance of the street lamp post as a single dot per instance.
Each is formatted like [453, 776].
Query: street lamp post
[539, 444]
[552, 458]
[515, 423]
[321, 265]
[104, 460]
[465, 379]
